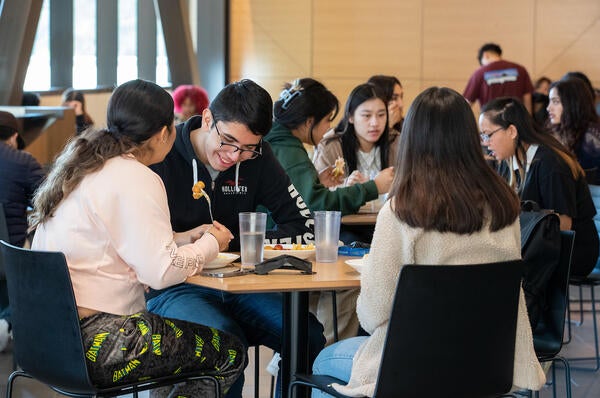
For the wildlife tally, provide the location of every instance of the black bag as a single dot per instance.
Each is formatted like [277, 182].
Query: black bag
[540, 249]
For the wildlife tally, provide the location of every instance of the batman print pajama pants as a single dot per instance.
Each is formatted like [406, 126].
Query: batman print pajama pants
[125, 349]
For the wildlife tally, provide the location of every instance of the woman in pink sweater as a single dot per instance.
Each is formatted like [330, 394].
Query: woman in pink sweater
[108, 213]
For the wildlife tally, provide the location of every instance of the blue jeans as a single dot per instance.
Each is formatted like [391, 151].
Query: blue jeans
[256, 319]
[336, 360]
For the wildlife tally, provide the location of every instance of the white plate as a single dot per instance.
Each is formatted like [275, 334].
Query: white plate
[356, 263]
[222, 260]
[287, 249]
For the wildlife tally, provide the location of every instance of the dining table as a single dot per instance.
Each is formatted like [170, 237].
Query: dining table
[361, 219]
[295, 288]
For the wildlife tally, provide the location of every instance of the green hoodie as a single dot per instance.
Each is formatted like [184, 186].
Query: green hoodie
[295, 161]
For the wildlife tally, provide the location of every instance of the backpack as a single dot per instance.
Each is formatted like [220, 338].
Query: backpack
[540, 250]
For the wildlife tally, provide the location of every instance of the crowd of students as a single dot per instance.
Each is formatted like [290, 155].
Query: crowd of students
[118, 202]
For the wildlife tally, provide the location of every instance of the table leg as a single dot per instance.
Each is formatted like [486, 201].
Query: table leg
[294, 346]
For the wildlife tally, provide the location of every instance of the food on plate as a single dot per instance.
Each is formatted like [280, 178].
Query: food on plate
[295, 246]
[339, 167]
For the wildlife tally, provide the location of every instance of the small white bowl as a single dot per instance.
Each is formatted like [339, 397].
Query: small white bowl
[287, 249]
[356, 263]
[222, 260]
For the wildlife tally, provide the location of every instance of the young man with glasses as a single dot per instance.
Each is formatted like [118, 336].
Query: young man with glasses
[224, 149]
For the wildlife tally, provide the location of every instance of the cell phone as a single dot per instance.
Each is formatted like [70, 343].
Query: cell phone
[226, 272]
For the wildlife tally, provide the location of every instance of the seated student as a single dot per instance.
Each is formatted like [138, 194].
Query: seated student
[189, 101]
[224, 148]
[542, 170]
[440, 167]
[362, 139]
[19, 177]
[74, 99]
[393, 93]
[573, 120]
[302, 116]
[108, 213]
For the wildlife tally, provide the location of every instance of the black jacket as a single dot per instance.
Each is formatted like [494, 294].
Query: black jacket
[261, 181]
[20, 175]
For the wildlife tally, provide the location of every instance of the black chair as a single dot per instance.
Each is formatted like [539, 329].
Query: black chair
[43, 308]
[590, 281]
[4, 237]
[548, 334]
[456, 324]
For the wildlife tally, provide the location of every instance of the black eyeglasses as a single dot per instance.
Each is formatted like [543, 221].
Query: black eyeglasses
[485, 137]
[245, 154]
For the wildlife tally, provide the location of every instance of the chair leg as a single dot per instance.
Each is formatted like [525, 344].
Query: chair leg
[256, 370]
[335, 320]
[13, 376]
[568, 340]
[596, 358]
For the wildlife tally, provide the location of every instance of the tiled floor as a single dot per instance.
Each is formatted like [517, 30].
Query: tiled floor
[585, 384]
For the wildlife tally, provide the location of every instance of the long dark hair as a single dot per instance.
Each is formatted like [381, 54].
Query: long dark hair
[506, 111]
[442, 181]
[578, 111]
[345, 128]
[303, 99]
[136, 111]
[386, 84]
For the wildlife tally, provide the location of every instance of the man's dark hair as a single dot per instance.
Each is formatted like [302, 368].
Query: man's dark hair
[244, 102]
[492, 47]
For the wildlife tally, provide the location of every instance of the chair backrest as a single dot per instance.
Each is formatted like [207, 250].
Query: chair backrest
[595, 191]
[452, 331]
[548, 334]
[3, 225]
[4, 237]
[45, 323]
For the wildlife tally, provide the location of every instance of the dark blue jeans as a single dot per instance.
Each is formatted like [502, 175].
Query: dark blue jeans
[256, 319]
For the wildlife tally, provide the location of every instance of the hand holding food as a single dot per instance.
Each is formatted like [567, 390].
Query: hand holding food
[339, 169]
[222, 234]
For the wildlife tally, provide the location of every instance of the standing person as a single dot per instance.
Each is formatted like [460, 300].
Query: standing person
[498, 78]
[393, 93]
[76, 100]
[363, 140]
[21, 174]
[440, 168]
[574, 121]
[544, 171]
[542, 85]
[224, 148]
[189, 101]
[108, 213]
[302, 115]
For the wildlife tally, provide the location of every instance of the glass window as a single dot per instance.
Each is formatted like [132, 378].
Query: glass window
[38, 72]
[84, 44]
[163, 78]
[127, 59]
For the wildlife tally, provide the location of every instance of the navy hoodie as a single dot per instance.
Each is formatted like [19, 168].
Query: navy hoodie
[260, 181]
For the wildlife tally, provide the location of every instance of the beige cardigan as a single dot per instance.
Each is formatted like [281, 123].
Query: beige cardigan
[395, 244]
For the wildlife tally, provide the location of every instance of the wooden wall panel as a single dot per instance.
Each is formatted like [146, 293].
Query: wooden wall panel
[567, 35]
[356, 39]
[453, 32]
[422, 42]
[270, 41]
